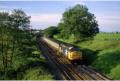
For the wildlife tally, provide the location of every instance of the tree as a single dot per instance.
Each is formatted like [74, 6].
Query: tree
[19, 19]
[12, 28]
[62, 31]
[20, 22]
[50, 31]
[5, 41]
[78, 21]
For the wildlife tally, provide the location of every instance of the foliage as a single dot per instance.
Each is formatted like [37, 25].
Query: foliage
[18, 46]
[102, 53]
[19, 19]
[40, 33]
[50, 31]
[115, 72]
[62, 31]
[78, 21]
[37, 73]
[108, 58]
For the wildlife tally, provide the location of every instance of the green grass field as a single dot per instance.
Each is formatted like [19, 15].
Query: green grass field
[103, 53]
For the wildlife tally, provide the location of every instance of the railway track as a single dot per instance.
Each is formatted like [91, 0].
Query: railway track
[66, 70]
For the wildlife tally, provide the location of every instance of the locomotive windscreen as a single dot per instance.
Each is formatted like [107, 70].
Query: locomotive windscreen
[74, 49]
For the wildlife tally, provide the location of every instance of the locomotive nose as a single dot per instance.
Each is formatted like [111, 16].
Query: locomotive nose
[75, 55]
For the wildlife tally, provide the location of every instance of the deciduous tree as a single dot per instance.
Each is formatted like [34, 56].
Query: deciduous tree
[78, 21]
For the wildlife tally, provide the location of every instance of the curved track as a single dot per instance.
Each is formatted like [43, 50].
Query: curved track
[66, 70]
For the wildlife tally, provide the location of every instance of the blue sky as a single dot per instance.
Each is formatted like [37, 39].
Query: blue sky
[49, 13]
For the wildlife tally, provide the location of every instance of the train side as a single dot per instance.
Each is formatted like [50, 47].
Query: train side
[68, 51]
[51, 43]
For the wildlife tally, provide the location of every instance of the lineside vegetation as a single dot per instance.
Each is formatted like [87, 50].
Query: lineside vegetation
[18, 49]
[101, 50]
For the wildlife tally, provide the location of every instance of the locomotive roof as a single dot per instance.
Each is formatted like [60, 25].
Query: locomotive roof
[63, 43]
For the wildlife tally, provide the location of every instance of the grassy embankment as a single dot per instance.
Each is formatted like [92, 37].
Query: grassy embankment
[103, 52]
[27, 62]
[37, 68]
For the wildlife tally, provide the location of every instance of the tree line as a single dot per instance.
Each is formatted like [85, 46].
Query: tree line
[14, 32]
[76, 21]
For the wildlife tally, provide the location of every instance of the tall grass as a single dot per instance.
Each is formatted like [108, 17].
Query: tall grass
[103, 52]
[37, 73]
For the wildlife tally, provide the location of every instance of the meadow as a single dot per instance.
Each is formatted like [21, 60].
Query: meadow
[102, 52]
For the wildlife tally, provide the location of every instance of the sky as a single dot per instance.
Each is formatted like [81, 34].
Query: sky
[49, 13]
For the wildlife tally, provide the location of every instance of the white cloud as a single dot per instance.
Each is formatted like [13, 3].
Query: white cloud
[108, 19]
[41, 21]
[42, 25]
[46, 17]
[108, 22]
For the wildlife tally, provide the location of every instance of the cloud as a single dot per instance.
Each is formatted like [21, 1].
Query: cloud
[53, 17]
[108, 19]
[108, 22]
[41, 21]
[42, 25]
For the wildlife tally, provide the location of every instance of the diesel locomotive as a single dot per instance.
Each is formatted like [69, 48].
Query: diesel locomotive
[70, 52]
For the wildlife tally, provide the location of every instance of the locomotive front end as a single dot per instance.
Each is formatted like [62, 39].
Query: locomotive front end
[74, 54]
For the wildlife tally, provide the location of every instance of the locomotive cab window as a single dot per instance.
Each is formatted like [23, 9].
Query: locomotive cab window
[74, 49]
